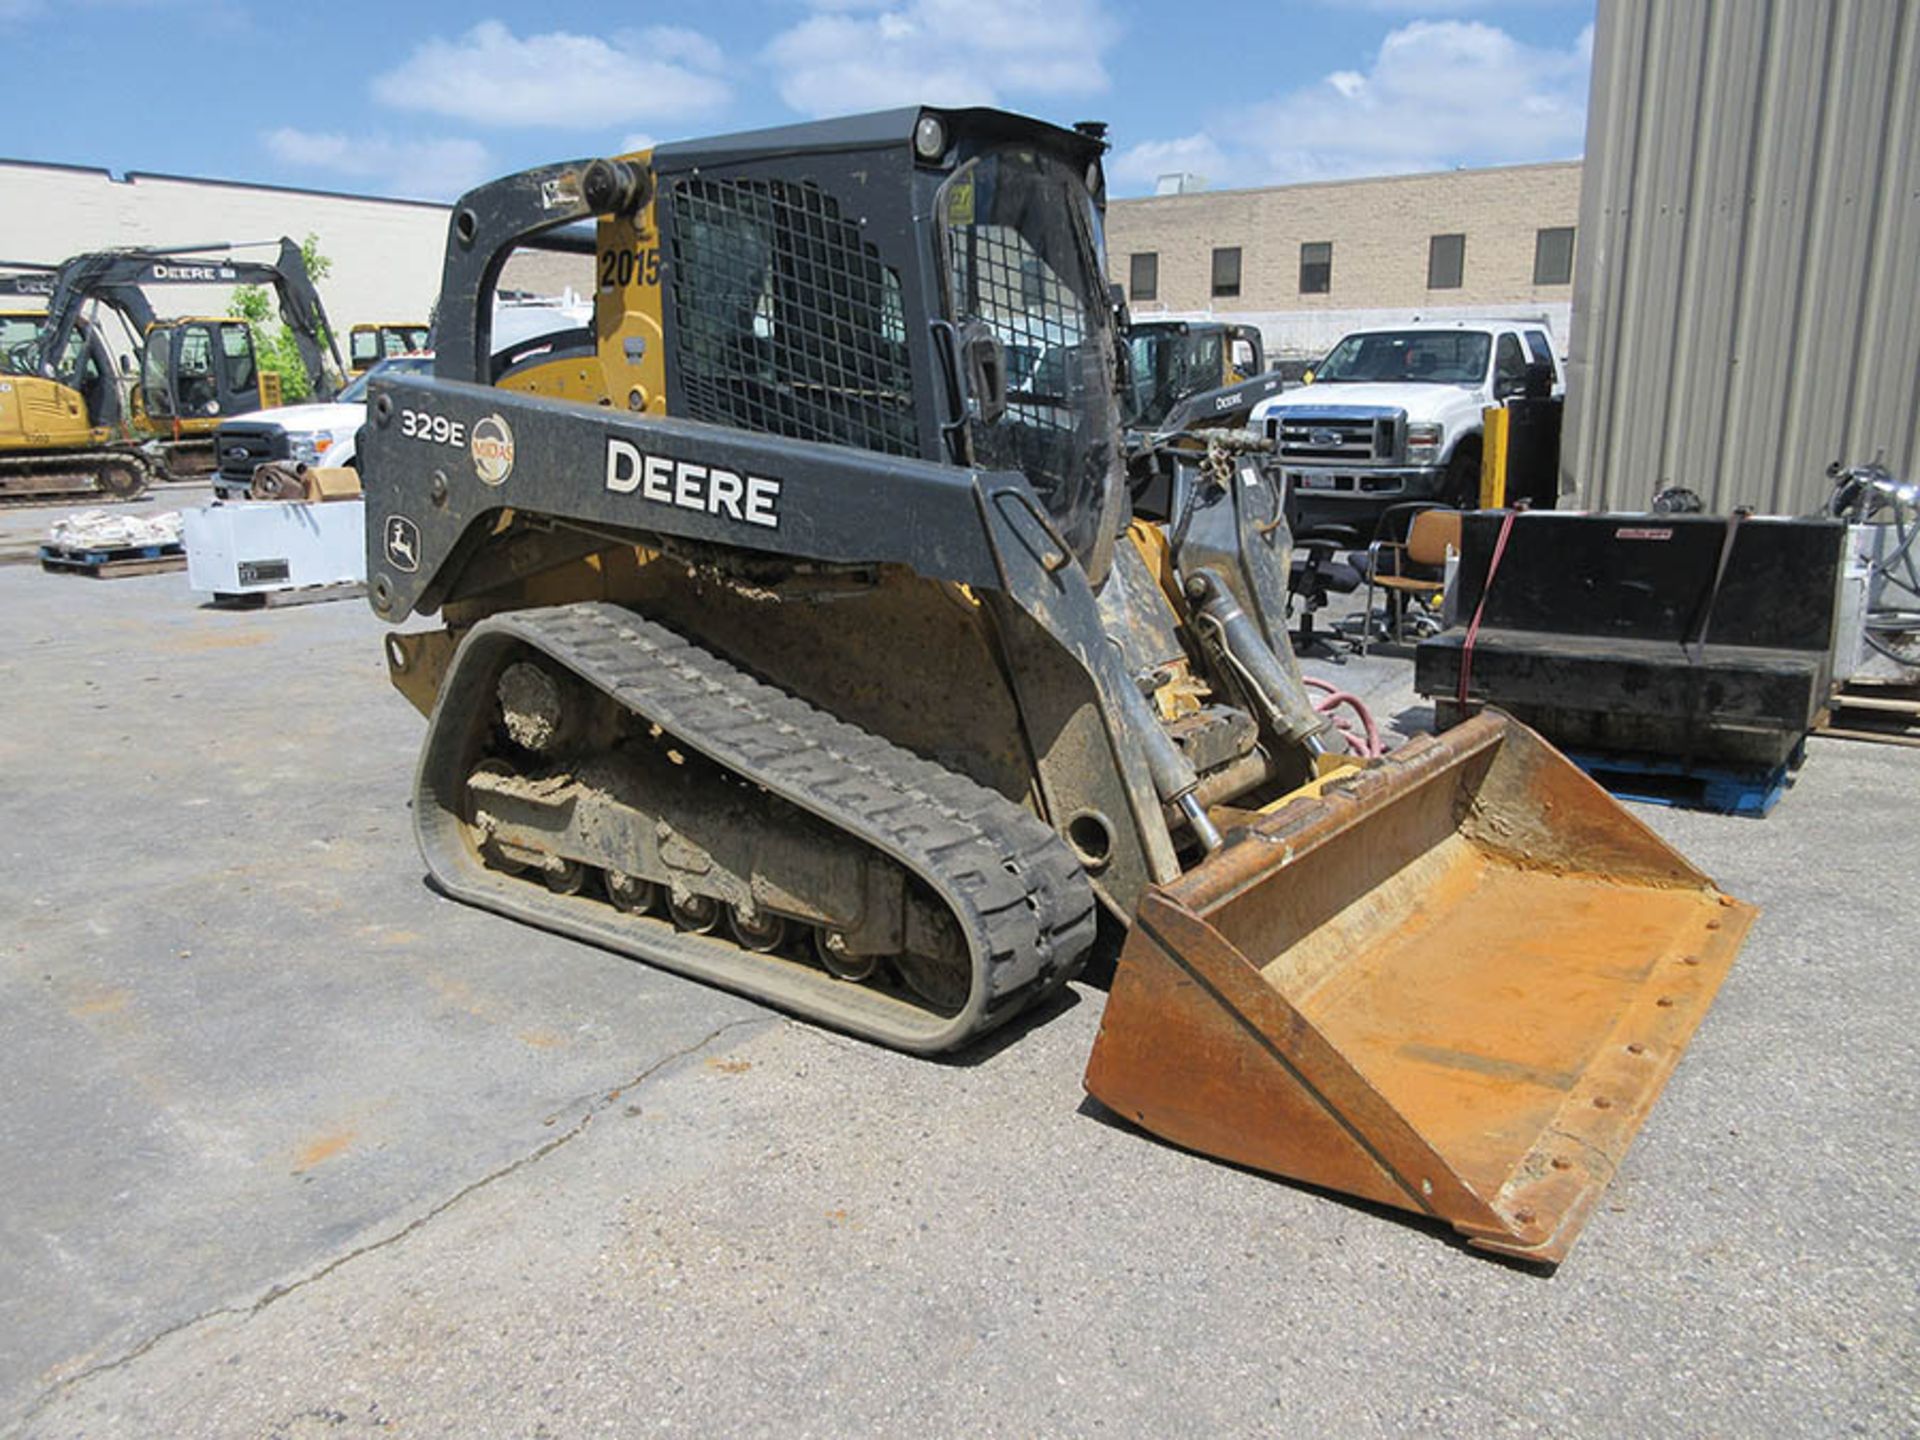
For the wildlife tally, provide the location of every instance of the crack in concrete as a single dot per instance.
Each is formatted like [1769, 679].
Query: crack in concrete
[606, 1097]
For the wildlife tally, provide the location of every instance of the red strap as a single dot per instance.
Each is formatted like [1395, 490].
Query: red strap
[1473, 630]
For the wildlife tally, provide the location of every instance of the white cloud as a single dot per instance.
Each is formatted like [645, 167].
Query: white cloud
[854, 55]
[1438, 93]
[490, 76]
[415, 169]
[1146, 162]
[639, 140]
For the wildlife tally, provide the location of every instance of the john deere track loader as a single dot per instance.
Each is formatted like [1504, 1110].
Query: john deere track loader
[66, 425]
[798, 638]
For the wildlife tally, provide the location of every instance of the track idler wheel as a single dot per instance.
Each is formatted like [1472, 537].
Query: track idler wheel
[765, 932]
[565, 877]
[831, 947]
[533, 706]
[630, 893]
[122, 478]
[698, 914]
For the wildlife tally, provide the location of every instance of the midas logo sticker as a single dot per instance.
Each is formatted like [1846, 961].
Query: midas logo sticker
[492, 447]
[709, 490]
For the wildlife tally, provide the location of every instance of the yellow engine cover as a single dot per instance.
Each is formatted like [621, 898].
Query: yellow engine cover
[41, 414]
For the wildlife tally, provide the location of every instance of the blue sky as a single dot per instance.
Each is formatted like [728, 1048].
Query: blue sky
[421, 100]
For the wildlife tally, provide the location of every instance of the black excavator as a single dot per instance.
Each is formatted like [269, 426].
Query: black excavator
[799, 636]
[1184, 378]
[68, 424]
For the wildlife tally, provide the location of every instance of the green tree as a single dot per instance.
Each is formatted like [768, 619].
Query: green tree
[273, 342]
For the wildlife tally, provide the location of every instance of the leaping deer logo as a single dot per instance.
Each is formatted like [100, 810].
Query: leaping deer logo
[403, 543]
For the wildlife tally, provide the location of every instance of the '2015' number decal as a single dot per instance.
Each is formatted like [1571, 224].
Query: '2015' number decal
[619, 267]
[419, 425]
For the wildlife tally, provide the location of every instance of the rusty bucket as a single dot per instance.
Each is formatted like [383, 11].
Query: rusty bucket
[1453, 983]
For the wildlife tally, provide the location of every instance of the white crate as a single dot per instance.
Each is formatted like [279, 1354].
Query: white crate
[255, 546]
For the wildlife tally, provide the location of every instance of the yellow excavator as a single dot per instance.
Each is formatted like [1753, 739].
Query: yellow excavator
[68, 425]
[797, 639]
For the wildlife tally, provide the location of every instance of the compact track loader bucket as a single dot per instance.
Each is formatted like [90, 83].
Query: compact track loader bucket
[1453, 983]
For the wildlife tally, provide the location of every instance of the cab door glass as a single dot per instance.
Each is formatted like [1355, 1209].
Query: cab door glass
[195, 387]
[156, 367]
[241, 369]
[364, 348]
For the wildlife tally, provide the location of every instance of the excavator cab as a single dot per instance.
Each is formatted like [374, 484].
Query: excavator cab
[800, 635]
[1169, 361]
[195, 370]
[371, 342]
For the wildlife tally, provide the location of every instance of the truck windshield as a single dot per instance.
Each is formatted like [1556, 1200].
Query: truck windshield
[1421, 357]
[1021, 265]
[1165, 366]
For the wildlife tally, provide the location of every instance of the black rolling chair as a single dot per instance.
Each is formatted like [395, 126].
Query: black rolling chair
[1317, 574]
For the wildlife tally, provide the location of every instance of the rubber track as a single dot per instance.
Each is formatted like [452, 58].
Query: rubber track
[26, 467]
[1023, 902]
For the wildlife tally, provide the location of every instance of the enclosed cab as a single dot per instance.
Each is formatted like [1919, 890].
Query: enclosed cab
[1394, 414]
[196, 369]
[1170, 360]
[373, 341]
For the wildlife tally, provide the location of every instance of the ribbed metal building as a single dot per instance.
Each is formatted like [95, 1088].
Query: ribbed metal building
[1746, 305]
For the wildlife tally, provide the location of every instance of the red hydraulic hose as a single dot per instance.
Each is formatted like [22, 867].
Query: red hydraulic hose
[1473, 630]
[1366, 745]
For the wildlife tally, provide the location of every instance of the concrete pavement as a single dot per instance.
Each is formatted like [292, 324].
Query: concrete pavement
[291, 1146]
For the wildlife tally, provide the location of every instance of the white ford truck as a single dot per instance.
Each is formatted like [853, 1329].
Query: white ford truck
[325, 434]
[1393, 414]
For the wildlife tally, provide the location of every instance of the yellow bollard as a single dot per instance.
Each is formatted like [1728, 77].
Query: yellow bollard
[1493, 457]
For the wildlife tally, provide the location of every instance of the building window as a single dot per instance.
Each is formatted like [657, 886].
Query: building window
[1316, 267]
[1143, 276]
[1553, 256]
[1226, 271]
[1446, 260]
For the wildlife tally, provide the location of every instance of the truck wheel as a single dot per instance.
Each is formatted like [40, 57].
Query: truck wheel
[1460, 486]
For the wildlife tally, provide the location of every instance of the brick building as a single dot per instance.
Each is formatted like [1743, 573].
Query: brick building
[1309, 262]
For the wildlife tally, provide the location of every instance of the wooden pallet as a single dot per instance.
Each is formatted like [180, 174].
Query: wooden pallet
[1884, 711]
[107, 563]
[1750, 790]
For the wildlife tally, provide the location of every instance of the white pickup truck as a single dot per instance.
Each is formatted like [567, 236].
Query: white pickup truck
[1394, 414]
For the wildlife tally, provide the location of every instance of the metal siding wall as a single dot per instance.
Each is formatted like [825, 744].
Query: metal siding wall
[1747, 302]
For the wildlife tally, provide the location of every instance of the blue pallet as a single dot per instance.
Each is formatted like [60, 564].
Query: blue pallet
[1750, 790]
[61, 555]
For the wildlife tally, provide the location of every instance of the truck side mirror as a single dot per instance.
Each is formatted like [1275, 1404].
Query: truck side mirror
[1538, 384]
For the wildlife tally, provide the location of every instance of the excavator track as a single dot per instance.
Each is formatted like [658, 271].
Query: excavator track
[1021, 904]
[79, 475]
